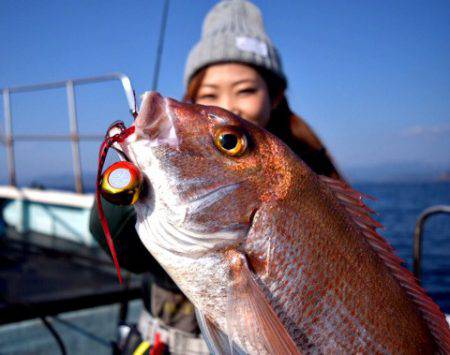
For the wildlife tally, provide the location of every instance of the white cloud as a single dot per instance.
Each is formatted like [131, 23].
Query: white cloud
[427, 131]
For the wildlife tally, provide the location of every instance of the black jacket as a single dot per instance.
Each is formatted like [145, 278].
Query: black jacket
[131, 253]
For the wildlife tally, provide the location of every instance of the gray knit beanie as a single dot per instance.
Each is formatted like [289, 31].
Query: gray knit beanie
[233, 31]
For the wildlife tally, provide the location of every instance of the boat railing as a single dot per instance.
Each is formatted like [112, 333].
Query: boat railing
[44, 231]
[8, 139]
[418, 235]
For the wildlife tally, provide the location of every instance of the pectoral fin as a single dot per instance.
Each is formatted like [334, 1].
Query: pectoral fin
[217, 341]
[250, 315]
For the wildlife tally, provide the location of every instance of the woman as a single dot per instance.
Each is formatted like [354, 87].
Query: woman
[234, 66]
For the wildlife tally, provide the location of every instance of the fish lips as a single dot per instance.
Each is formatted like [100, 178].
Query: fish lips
[154, 123]
[156, 120]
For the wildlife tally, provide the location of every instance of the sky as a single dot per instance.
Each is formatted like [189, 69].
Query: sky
[371, 77]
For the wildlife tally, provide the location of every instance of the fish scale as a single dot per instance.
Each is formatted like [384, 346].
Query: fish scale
[275, 259]
[293, 290]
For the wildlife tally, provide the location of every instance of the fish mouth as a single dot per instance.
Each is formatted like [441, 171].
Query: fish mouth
[151, 113]
[156, 120]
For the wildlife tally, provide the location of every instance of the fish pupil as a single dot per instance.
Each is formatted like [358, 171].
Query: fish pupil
[229, 141]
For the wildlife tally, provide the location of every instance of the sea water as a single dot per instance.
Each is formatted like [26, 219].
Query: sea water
[398, 206]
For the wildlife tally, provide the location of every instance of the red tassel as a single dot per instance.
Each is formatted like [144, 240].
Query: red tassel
[107, 143]
[158, 346]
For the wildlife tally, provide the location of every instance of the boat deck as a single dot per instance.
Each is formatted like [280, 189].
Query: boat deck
[41, 276]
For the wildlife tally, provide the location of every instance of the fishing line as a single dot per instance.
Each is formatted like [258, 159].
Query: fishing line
[44, 321]
[55, 334]
[159, 50]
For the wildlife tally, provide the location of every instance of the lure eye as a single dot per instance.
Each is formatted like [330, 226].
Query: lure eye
[230, 141]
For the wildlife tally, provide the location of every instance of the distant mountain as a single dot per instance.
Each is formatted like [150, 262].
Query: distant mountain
[396, 172]
[63, 181]
[445, 176]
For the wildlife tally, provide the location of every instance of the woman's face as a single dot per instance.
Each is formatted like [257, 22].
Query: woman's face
[237, 88]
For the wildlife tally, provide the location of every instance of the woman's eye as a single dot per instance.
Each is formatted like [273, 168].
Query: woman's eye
[230, 141]
[206, 97]
[247, 91]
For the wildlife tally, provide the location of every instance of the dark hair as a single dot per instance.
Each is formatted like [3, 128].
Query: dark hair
[283, 123]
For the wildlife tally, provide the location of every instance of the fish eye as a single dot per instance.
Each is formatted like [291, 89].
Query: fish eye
[230, 141]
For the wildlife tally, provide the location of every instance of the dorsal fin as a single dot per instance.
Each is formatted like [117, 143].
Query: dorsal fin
[353, 202]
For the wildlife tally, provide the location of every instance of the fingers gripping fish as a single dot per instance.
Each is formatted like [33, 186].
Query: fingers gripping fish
[276, 259]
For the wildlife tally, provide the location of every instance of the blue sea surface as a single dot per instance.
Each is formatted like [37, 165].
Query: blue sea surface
[398, 206]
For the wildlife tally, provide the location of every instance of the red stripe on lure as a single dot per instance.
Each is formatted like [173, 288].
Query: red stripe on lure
[121, 183]
[107, 143]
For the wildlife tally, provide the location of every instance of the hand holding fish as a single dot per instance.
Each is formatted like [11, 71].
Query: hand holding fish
[275, 258]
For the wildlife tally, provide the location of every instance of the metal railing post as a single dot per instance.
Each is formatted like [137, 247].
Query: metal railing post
[418, 234]
[75, 139]
[9, 140]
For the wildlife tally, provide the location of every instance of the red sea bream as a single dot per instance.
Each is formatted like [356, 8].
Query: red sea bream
[275, 259]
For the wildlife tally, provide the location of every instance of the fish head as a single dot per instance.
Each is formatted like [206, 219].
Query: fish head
[207, 171]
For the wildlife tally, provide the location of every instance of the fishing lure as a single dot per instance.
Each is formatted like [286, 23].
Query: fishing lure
[120, 184]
